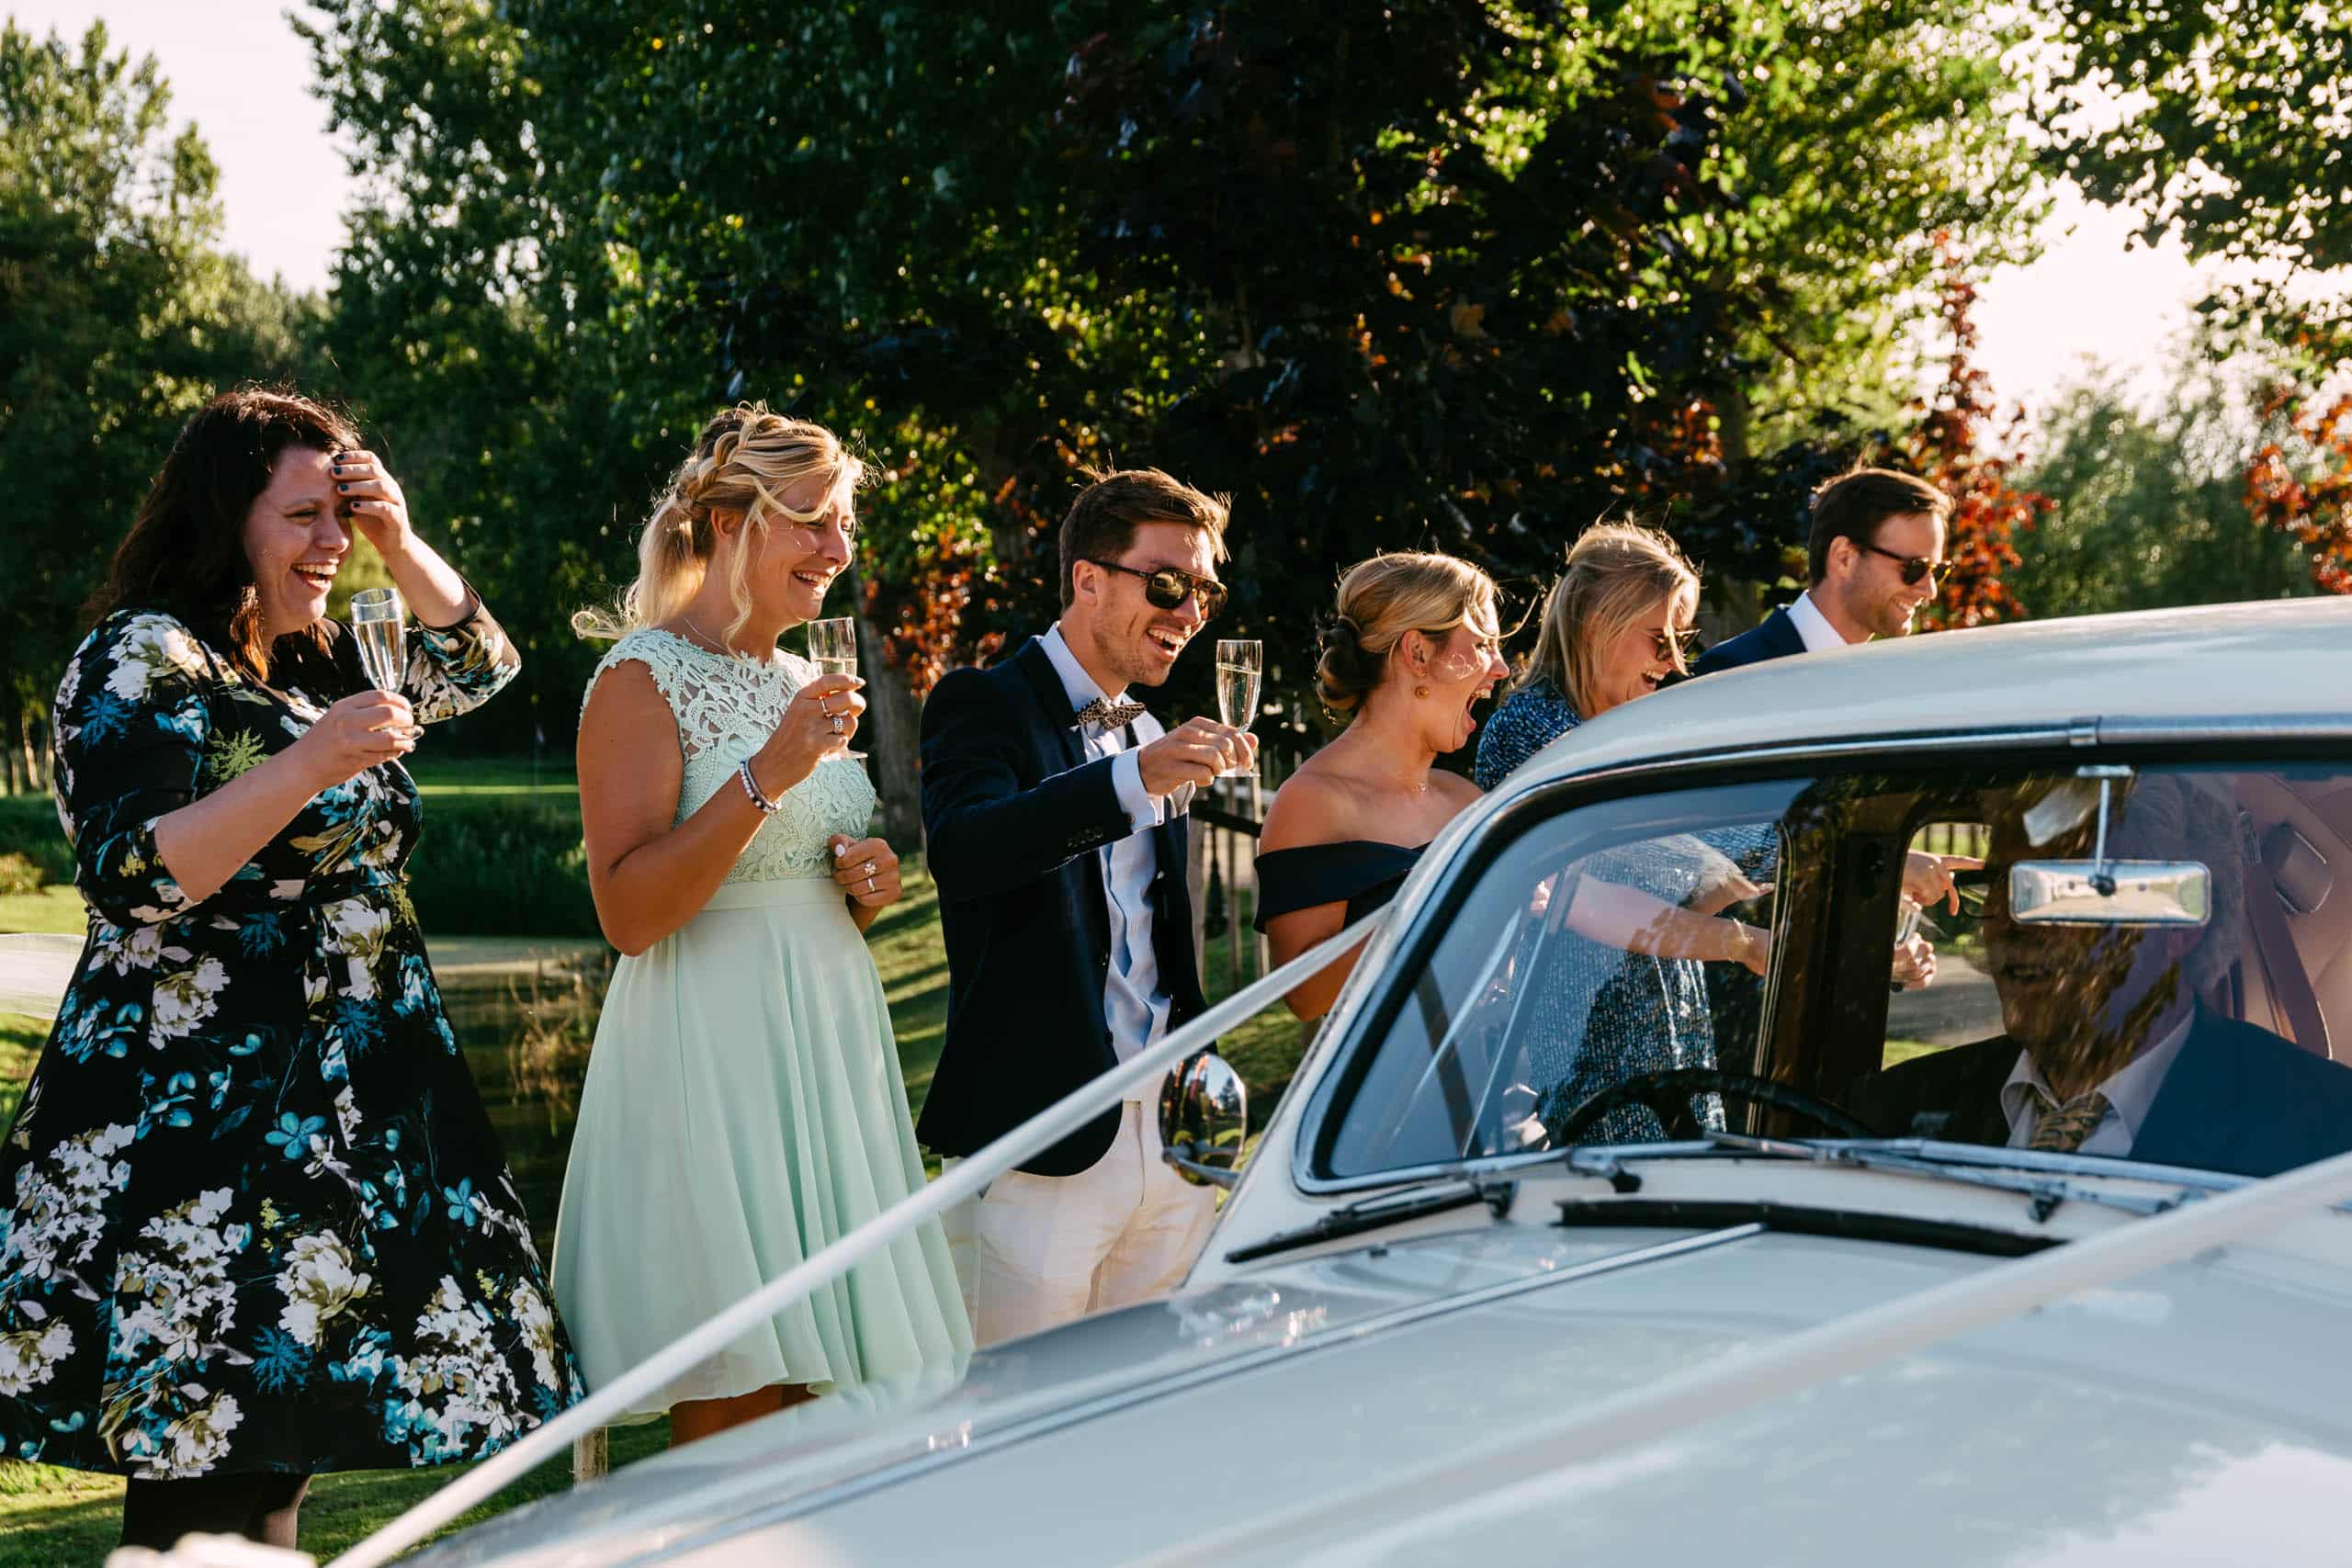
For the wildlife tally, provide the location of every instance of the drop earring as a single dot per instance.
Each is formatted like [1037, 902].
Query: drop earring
[1420, 691]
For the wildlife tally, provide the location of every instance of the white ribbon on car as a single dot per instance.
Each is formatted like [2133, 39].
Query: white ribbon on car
[1042, 1131]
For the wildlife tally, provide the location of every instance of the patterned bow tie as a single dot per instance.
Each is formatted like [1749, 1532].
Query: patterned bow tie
[2063, 1129]
[1103, 714]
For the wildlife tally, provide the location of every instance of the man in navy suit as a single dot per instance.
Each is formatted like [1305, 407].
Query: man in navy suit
[2106, 1049]
[1876, 548]
[1054, 816]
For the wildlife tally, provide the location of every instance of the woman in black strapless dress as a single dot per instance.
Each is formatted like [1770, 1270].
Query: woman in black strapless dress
[1414, 645]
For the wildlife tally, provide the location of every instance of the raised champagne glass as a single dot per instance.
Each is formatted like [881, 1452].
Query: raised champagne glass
[379, 625]
[832, 643]
[1240, 668]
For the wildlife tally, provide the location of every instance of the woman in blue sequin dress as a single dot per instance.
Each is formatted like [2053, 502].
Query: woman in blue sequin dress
[1622, 987]
[1616, 626]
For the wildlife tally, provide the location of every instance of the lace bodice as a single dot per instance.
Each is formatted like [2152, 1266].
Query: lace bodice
[725, 708]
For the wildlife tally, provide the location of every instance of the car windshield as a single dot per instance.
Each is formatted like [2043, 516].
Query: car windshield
[2136, 964]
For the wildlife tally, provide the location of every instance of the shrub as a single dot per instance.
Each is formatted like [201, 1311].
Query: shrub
[496, 866]
[28, 830]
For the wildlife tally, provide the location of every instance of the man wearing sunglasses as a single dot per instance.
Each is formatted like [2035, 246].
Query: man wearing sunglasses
[1876, 551]
[1054, 815]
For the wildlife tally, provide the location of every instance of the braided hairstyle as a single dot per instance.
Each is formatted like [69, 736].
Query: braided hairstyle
[1381, 598]
[745, 459]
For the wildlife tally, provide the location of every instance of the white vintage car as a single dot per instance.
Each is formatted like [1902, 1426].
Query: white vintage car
[1563, 1249]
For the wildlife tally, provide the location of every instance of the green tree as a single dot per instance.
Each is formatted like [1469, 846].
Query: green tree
[1470, 273]
[2224, 122]
[118, 316]
[2151, 506]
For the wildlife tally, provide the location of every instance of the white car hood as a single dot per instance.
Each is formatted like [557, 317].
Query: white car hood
[2187, 1420]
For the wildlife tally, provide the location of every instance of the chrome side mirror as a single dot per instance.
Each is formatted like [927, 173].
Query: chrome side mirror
[1204, 1116]
[2110, 893]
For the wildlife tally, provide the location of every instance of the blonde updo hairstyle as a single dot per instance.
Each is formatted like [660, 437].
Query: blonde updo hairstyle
[745, 459]
[1617, 573]
[1381, 600]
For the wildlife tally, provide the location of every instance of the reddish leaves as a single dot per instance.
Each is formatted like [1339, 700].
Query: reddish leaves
[2316, 511]
[1945, 450]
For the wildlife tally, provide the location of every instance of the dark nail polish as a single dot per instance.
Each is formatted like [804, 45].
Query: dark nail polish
[343, 487]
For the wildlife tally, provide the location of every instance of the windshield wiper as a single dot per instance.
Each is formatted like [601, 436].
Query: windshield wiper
[1384, 1209]
[2047, 1193]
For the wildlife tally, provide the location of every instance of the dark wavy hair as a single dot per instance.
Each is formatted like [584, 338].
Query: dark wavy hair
[185, 552]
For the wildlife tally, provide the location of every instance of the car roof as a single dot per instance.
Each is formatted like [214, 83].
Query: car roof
[2281, 666]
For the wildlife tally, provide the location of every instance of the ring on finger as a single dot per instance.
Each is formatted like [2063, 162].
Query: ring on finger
[869, 868]
[870, 888]
[837, 724]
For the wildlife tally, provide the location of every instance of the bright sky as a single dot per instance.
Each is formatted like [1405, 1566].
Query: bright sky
[237, 69]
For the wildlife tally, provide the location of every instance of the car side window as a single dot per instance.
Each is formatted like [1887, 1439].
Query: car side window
[1960, 1006]
[1577, 967]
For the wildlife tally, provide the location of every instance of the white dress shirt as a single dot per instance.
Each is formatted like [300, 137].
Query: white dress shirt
[2129, 1092]
[1812, 625]
[1135, 1006]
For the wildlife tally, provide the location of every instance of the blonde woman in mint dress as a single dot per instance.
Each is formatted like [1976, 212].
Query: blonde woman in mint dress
[743, 1107]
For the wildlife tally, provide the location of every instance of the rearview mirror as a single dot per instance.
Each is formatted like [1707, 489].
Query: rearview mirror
[2110, 893]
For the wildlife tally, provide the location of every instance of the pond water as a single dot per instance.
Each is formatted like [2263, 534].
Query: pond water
[527, 1042]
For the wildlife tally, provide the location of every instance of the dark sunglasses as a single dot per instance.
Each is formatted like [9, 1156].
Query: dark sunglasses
[1678, 648]
[1910, 568]
[1166, 588]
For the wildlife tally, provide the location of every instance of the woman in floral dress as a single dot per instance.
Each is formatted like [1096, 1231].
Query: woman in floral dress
[256, 1224]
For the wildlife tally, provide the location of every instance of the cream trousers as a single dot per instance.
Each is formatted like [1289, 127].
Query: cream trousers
[1035, 1251]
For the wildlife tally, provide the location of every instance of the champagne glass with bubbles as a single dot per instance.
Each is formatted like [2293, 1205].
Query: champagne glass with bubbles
[832, 643]
[378, 625]
[1240, 667]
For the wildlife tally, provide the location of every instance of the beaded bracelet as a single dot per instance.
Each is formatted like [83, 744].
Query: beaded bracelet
[751, 787]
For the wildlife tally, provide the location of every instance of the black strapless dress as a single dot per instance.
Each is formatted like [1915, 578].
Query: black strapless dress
[1365, 873]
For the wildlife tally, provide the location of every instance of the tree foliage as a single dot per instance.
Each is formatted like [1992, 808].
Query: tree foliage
[118, 316]
[2227, 124]
[1965, 447]
[1468, 273]
[2299, 482]
[2151, 510]
[2224, 121]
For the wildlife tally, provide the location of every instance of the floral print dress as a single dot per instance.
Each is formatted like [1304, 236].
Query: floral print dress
[252, 1214]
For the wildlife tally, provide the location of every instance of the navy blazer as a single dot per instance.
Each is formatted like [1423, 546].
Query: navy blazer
[1012, 815]
[1776, 637]
[2238, 1098]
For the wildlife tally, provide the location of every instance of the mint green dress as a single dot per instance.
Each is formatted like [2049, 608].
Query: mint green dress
[744, 1106]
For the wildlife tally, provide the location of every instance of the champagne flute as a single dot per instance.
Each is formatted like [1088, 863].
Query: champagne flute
[378, 625]
[832, 643]
[1240, 665]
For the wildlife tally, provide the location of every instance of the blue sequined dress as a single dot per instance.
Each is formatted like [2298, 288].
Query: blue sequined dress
[1602, 1014]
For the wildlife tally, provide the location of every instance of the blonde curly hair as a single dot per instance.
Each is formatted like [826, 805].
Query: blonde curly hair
[745, 459]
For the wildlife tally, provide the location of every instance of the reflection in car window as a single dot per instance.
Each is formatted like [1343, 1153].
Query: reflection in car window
[1958, 1006]
[1585, 988]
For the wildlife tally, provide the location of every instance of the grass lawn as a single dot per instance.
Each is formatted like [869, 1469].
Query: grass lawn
[55, 908]
[53, 1518]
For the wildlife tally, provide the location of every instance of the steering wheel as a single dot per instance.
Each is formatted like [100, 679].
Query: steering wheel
[1668, 1092]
